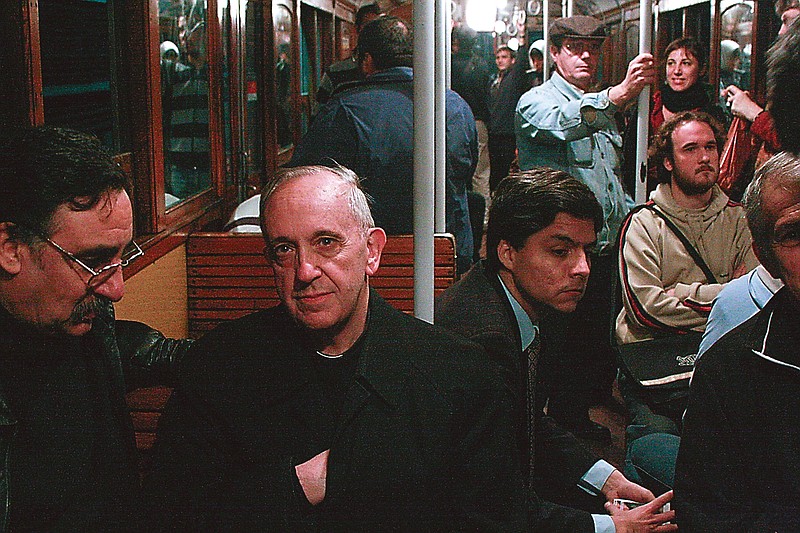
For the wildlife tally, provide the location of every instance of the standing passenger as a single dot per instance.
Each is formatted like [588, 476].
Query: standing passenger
[505, 88]
[369, 128]
[743, 106]
[562, 124]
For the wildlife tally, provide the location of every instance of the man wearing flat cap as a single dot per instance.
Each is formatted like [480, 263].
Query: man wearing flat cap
[564, 124]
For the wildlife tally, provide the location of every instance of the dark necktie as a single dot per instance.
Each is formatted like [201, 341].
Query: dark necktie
[532, 357]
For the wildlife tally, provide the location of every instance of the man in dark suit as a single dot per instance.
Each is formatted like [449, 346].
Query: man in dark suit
[333, 411]
[542, 225]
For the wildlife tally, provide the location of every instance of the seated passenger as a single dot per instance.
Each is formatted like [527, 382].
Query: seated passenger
[542, 224]
[333, 411]
[69, 455]
[664, 289]
[737, 466]
[738, 301]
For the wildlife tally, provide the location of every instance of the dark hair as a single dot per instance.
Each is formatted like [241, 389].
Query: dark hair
[43, 168]
[783, 5]
[466, 38]
[364, 12]
[691, 45]
[388, 40]
[505, 48]
[781, 170]
[527, 202]
[783, 84]
[661, 146]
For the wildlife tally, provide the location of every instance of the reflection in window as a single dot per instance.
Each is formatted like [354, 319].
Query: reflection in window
[184, 91]
[78, 74]
[736, 45]
[282, 21]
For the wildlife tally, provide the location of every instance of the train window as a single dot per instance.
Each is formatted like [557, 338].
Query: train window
[184, 100]
[79, 69]
[282, 22]
[254, 41]
[736, 45]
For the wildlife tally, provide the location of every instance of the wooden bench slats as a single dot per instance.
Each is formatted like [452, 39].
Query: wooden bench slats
[387, 271]
[228, 274]
[240, 243]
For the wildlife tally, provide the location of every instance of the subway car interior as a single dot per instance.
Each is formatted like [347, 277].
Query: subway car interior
[111, 67]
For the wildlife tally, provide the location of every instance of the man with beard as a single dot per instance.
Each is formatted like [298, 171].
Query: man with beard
[67, 447]
[664, 290]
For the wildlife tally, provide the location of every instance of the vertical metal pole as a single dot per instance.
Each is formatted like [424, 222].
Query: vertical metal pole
[448, 34]
[424, 163]
[440, 117]
[643, 118]
[546, 38]
[570, 7]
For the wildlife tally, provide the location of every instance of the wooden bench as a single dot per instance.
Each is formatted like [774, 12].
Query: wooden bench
[228, 277]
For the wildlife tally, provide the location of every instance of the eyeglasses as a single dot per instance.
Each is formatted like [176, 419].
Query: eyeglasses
[577, 48]
[99, 276]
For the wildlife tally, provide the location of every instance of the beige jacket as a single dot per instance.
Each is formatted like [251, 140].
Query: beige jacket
[653, 261]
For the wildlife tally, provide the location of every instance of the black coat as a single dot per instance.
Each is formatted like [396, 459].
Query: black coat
[424, 440]
[738, 467]
[477, 308]
[124, 355]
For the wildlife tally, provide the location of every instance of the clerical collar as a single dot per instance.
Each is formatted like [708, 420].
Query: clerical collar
[527, 329]
[327, 356]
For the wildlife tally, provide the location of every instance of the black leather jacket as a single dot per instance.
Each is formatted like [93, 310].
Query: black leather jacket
[138, 356]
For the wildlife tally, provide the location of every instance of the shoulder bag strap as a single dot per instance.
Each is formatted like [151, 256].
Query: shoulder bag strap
[689, 248]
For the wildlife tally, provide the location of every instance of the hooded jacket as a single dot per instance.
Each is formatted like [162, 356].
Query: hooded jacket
[653, 261]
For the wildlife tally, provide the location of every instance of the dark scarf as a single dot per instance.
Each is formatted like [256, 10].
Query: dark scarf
[694, 97]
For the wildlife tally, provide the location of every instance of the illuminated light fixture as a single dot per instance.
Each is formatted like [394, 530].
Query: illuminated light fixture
[480, 15]
[513, 43]
[499, 27]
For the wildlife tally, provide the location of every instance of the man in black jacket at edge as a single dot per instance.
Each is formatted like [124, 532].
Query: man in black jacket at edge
[66, 440]
[334, 411]
[737, 467]
[542, 223]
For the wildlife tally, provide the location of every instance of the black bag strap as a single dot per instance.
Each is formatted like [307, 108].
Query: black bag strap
[689, 248]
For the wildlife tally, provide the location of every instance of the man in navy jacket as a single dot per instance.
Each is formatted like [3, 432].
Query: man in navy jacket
[369, 128]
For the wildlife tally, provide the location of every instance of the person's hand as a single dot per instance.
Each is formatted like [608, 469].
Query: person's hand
[742, 105]
[312, 476]
[645, 518]
[641, 73]
[618, 486]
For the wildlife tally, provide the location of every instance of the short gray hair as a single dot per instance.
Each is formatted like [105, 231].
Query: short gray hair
[357, 199]
[781, 170]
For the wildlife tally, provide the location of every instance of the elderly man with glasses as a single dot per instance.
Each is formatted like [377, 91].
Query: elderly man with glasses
[564, 124]
[68, 454]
